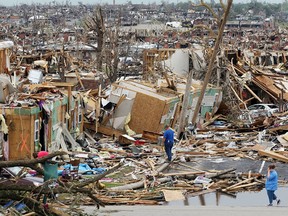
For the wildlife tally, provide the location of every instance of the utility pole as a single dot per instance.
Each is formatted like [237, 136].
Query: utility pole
[211, 63]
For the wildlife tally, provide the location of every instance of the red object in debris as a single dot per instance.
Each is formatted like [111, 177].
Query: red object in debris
[42, 154]
[139, 142]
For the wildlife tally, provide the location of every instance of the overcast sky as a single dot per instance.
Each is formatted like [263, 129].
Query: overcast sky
[15, 2]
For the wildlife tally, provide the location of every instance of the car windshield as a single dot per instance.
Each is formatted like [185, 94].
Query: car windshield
[253, 107]
[272, 106]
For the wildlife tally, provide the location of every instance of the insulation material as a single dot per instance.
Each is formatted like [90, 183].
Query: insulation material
[4, 127]
[6, 88]
[35, 76]
[127, 128]
[178, 62]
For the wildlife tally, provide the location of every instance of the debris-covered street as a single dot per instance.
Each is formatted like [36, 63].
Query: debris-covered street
[108, 106]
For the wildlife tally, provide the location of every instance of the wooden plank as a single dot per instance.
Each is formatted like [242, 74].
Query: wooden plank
[153, 136]
[202, 192]
[251, 91]
[184, 173]
[273, 155]
[245, 185]
[193, 153]
[70, 138]
[105, 130]
[79, 79]
[21, 136]
[282, 127]
[62, 84]
[171, 195]
[237, 184]
[146, 113]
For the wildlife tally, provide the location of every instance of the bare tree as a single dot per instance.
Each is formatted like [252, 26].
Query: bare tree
[95, 23]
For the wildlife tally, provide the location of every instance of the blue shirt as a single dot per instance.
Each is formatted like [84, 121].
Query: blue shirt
[272, 181]
[169, 135]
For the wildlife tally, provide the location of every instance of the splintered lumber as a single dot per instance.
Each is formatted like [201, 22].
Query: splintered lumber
[253, 93]
[31, 163]
[281, 127]
[237, 184]
[183, 173]
[210, 121]
[221, 173]
[193, 153]
[150, 164]
[112, 200]
[137, 185]
[202, 192]
[98, 177]
[141, 184]
[171, 195]
[245, 185]
[190, 167]
[273, 155]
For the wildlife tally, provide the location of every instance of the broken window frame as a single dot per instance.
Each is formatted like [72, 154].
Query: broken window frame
[36, 130]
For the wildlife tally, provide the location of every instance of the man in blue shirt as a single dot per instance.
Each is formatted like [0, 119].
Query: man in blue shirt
[168, 138]
[271, 184]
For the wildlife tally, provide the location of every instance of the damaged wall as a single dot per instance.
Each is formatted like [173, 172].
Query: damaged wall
[31, 129]
[151, 108]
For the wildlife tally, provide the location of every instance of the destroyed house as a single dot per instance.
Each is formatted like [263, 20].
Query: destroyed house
[5, 49]
[49, 124]
[141, 107]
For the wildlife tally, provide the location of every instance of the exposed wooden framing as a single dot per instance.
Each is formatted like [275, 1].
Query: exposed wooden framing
[258, 84]
[152, 56]
[237, 96]
[79, 79]
[255, 96]
[246, 101]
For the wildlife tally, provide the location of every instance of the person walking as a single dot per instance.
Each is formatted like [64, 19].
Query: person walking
[168, 139]
[271, 184]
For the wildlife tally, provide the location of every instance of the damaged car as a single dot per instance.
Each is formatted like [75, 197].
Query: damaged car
[258, 110]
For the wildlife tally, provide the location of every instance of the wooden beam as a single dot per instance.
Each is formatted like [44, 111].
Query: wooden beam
[282, 127]
[255, 96]
[273, 155]
[109, 131]
[79, 79]
[237, 184]
[184, 173]
[245, 185]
